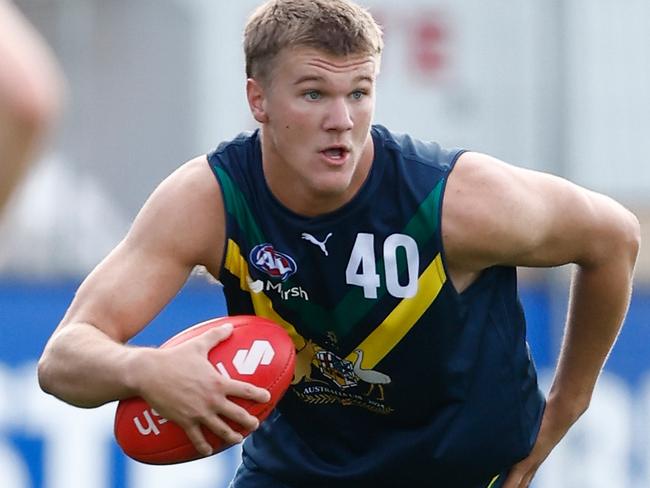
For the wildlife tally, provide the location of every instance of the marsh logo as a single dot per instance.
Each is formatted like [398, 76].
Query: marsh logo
[259, 286]
[272, 262]
[256, 286]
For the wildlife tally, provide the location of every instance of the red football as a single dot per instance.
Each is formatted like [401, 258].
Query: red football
[259, 352]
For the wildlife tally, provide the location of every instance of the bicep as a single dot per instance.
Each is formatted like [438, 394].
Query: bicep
[126, 291]
[497, 214]
[177, 229]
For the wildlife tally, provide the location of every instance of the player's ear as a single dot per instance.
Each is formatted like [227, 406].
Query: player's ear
[256, 100]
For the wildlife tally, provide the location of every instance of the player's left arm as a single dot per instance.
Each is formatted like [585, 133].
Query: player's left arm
[497, 214]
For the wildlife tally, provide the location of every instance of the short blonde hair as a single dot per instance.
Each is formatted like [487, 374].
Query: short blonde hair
[338, 27]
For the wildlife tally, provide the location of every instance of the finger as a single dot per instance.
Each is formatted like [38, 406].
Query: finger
[247, 391]
[223, 430]
[240, 415]
[212, 337]
[198, 439]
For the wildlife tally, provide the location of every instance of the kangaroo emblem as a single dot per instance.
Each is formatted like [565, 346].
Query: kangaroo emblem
[304, 358]
[313, 240]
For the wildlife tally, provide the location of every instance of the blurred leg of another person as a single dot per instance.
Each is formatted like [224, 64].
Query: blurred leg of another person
[31, 88]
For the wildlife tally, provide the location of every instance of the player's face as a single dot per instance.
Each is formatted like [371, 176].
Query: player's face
[316, 112]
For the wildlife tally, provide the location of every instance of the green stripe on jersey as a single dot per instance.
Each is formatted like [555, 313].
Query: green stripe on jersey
[237, 206]
[353, 306]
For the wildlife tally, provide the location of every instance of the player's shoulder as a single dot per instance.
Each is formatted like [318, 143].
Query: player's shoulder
[189, 199]
[425, 151]
[474, 168]
[243, 145]
[183, 218]
[193, 174]
[191, 184]
[481, 187]
[489, 211]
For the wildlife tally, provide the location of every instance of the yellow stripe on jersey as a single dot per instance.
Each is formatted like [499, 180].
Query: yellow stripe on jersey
[403, 317]
[238, 266]
[494, 480]
[383, 339]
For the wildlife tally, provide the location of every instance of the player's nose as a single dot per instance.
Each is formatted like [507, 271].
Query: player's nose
[338, 116]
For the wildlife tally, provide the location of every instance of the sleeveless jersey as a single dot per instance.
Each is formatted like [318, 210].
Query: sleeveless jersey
[400, 380]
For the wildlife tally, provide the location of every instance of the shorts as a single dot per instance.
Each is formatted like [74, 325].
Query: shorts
[251, 477]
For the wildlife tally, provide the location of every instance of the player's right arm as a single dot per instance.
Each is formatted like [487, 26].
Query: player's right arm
[86, 362]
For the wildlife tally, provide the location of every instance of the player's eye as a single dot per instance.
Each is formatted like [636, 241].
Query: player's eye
[312, 95]
[358, 94]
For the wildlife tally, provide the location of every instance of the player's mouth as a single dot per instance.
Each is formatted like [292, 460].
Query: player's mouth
[336, 154]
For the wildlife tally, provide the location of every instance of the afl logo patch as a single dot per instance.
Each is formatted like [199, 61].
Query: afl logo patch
[274, 263]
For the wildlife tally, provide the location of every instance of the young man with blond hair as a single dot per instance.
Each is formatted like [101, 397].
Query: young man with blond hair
[391, 261]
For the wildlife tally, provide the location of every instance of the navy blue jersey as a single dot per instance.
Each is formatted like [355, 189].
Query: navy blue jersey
[400, 380]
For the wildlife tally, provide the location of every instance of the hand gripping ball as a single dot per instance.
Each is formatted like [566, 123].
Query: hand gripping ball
[259, 352]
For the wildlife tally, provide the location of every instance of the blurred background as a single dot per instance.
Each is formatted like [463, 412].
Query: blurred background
[559, 86]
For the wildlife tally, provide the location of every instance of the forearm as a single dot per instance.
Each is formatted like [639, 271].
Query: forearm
[599, 299]
[84, 367]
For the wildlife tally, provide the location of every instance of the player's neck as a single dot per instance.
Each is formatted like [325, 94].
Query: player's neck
[302, 194]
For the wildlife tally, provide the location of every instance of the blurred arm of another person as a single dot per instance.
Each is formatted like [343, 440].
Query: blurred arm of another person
[497, 214]
[31, 92]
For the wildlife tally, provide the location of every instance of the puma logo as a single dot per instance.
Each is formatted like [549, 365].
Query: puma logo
[313, 240]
